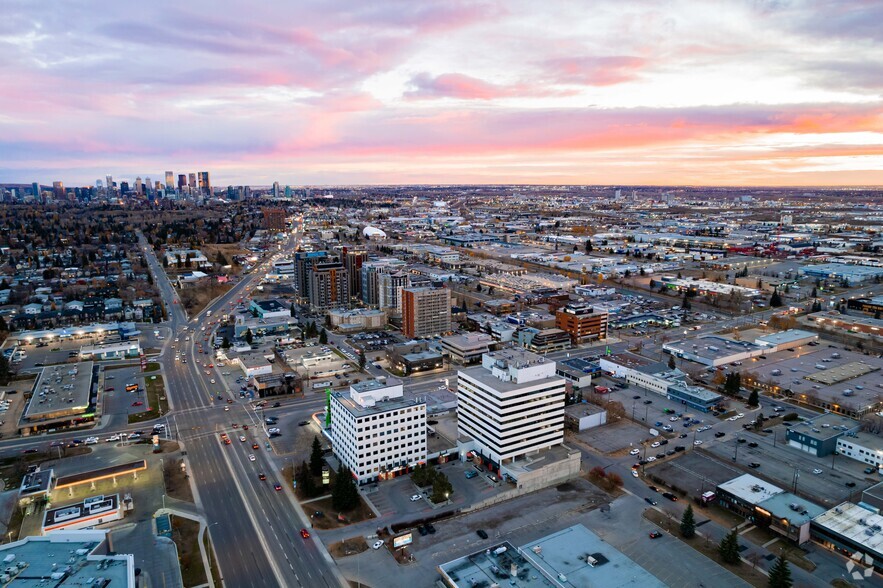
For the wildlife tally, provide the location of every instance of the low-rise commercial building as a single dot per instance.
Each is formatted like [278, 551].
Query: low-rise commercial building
[769, 506]
[107, 351]
[866, 448]
[848, 529]
[63, 396]
[645, 373]
[584, 415]
[86, 556]
[543, 340]
[409, 358]
[820, 436]
[577, 372]
[694, 396]
[376, 432]
[714, 350]
[466, 349]
[785, 339]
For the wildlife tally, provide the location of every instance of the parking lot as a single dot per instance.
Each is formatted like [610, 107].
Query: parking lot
[393, 497]
[117, 403]
[615, 436]
[790, 468]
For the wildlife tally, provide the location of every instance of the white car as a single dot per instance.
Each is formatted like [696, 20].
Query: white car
[817, 471]
[651, 458]
[377, 544]
[740, 416]
[242, 438]
[274, 430]
[697, 442]
[416, 497]
[674, 419]
[213, 380]
[635, 452]
[113, 438]
[91, 440]
[655, 444]
[251, 458]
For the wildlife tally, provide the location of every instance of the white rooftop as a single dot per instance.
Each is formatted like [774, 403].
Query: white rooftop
[751, 489]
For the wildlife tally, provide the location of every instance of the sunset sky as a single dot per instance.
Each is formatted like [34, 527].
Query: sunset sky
[778, 92]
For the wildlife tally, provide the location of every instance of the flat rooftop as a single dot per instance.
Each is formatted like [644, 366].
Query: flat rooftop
[579, 366]
[852, 522]
[828, 425]
[724, 347]
[785, 337]
[840, 373]
[486, 378]
[866, 440]
[79, 552]
[371, 385]
[60, 390]
[780, 507]
[540, 564]
[751, 489]
[629, 360]
[359, 411]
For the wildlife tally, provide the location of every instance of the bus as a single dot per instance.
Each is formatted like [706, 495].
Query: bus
[320, 385]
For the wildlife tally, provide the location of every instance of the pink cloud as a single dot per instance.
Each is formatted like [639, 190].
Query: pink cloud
[594, 70]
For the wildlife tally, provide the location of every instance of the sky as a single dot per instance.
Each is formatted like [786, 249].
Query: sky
[309, 92]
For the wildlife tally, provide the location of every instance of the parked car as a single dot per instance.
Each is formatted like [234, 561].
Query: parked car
[377, 544]
[670, 496]
[416, 497]
[481, 533]
[655, 534]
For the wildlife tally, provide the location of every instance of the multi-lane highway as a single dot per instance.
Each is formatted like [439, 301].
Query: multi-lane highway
[255, 529]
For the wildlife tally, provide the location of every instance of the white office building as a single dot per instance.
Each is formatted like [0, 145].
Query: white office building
[510, 406]
[376, 432]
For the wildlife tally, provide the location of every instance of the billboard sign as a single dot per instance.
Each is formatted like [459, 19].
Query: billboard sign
[402, 540]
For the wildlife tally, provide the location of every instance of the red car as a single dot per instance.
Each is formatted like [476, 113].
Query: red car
[245, 427]
[137, 403]
[655, 534]
[255, 446]
[262, 476]
[304, 533]
[277, 487]
[110, 389]
[235, 426]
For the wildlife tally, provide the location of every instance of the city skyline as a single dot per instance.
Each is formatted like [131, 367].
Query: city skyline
[775, 94]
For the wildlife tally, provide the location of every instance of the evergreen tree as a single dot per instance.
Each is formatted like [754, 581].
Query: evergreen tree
[753, 399]
[685, 303]
[688, 523]
[249, 337]
[323, 337]
[780, 574]
[775, 299]
[729, 548]
[671, 362]
[362, 361]
[441, 489]
[225, 343]
[305, 481]
[344, 494]
[316, 460]
[5, 371]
